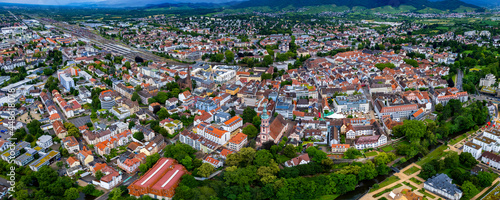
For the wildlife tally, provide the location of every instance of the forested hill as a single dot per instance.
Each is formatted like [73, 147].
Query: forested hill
[419, 4]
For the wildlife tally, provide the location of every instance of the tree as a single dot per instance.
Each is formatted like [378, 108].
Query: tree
[71, 194]
[452, 160]
[439, 107]
[485, 179]
[352, 153]
[316, 154]
[290, 151]
[384, 158]
[250, 131]
[256, 121]
[139, 136]
[268, 173]
[414, 130]
[229, 56]
[115, 194]
[467, 160]
[88, 189]
[248, 115]
[263, 158]
[469, 190]
[206, 169]
[99, 174]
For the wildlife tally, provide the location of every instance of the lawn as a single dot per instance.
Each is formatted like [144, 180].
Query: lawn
[437, 153]
[282, 158]
[410, 185]
[387, 190]
[461, 137]
[371, 153]
[492, 194]
[426, 194]
[386, 182]
[388, 148]
[415, 180]
[411, 171]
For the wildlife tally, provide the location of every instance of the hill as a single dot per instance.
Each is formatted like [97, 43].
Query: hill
[445, 5]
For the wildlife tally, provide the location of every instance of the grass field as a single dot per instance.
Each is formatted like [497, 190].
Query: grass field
[437, 153]
[411, 171]
[388, 148]
[413, 179]
[386, 182]
[371, 153]
[410, 185]
[426, 194]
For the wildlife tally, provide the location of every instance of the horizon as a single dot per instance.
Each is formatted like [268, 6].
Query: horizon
[109, 3]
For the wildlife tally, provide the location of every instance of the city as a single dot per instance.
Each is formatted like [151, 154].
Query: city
[250, 100]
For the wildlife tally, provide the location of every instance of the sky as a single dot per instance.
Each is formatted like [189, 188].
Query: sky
[108, 2]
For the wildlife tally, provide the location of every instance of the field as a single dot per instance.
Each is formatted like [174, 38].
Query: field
[371, 153]
[413, 179]
[387, 190]
[437, 153]
[410, 185]
[386, 182]
[388, 148]
[411, 171]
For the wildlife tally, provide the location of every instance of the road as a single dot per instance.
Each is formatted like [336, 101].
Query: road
[459, 80]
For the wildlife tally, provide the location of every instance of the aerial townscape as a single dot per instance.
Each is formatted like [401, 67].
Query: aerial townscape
[250, 100]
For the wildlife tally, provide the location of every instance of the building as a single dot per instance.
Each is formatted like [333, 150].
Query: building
[365, 142]
[160, 181]
[271, 132]
[340, 148]
[120, 112]
[198, 142]
[234, 123]
[488, 80]
[473, 149]
[46, 159]
[491, 159]
[440, 184]
[237, 142]
[130, 161]
[111, 177]
[59, 129]
[154, 146]
[71, 144]
[351, 103]
[214, 162]
[44, 141]
[66, 81]
[107, 99]
[212, 133]
[299, 160]
[486, 143]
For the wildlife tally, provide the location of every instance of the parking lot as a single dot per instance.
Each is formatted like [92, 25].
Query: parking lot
[4, 133]
[80, 121]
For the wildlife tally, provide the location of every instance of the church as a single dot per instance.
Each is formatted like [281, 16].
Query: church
[271, 131]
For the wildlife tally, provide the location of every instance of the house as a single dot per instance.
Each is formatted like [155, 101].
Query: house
[85, 156]
[46, 159]
[110, 179]
[473, 149]
[237, 141]
[214, 162]
[299, 160]
[212, 133]
[59, 129]
[365, 142]
[440, 184]
[72, 162]
[491, 159]
[340, 148]
[130, 161]
[4, 144]
[160, 181]
[154, 146]
[71, 144]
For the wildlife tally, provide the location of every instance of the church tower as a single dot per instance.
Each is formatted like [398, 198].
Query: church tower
[264, 126]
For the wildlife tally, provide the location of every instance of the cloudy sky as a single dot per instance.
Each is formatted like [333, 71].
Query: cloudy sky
[107, 2]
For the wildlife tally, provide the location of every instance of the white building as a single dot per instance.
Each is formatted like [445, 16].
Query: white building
[365, 142]
[488, 80]
[44, 141]
[473, 149]
[487, 144]
[491, 159]
[212, 133]
[120, 112]
[441, 184]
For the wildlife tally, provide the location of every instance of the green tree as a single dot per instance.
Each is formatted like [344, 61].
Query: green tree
[115, 194]
[263, 158]
[469, 190]
[352, 153]
[139, 136]
[250, 131]
[485, 179]
[206, 169]
[229, 56]
[99, 174]
[71, 194]
[467, 160]
[290, 151]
